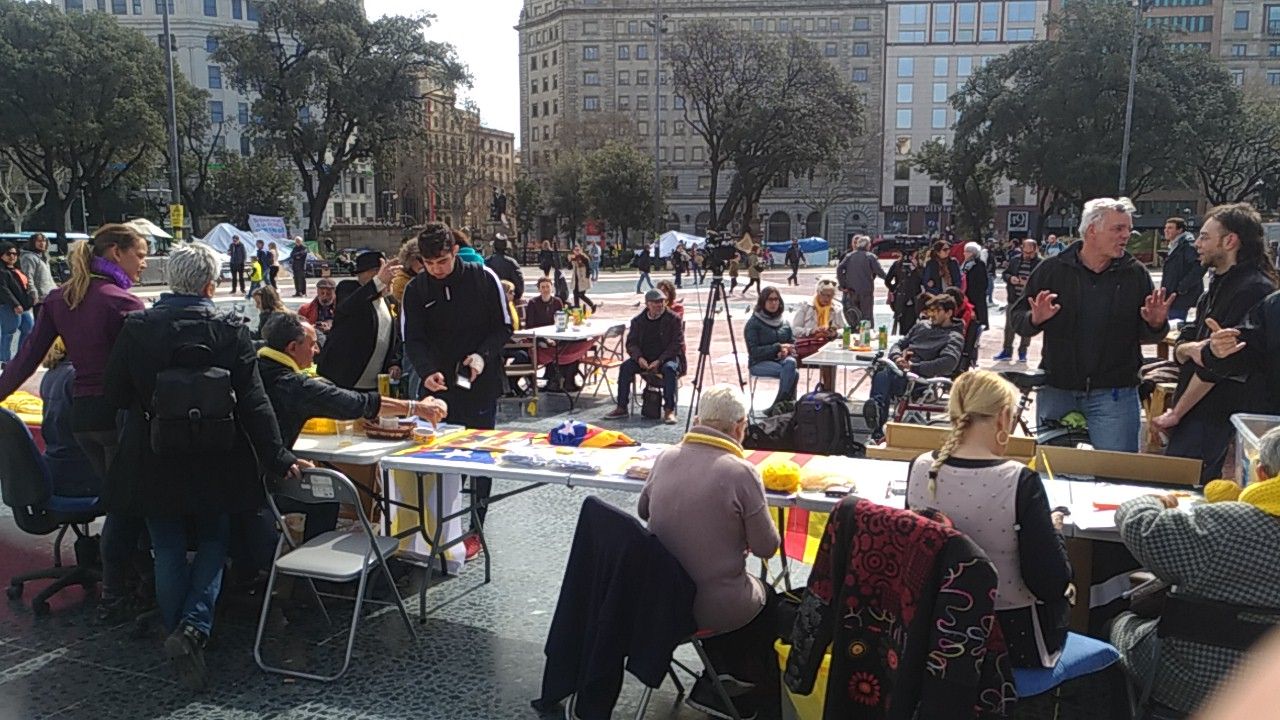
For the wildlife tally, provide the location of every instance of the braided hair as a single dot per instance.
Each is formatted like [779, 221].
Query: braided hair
[975, 395]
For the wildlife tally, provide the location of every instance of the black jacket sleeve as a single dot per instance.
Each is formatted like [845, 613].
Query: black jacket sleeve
[420, 348]
[1251, 359]
[633, 338]
[9, 298]
[1042, 551]
[358, 301]
[317, 398]
[494, 304]
[675, 338]
[253, 408]
[1020, 314]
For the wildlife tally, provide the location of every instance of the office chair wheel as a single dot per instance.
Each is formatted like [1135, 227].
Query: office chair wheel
[40, 607]
[14, 591]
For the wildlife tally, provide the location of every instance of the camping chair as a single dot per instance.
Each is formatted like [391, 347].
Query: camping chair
[608, 354]
[516, 370]
[337, 556]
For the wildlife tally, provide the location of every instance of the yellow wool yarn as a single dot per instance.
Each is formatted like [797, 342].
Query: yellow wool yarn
[1221, 491]
[780, 475]
[1263, 495]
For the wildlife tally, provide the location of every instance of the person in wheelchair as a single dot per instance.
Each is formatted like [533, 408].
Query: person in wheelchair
[932, 349]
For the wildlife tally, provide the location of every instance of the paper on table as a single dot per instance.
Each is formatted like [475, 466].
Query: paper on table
[1085, 518]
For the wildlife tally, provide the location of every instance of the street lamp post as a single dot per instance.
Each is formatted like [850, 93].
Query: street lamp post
[659, 27]
[1138, 7]
[175, 174]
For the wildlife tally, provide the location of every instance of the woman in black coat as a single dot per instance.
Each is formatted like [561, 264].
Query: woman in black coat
[904, 281]
[976, 281]
[194, 490]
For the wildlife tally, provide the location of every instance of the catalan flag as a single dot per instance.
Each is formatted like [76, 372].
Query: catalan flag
[801, 530]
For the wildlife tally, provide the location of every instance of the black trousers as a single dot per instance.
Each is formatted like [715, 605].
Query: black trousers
[793, 280]
[747, 653]
[299, 279]
[237, 279]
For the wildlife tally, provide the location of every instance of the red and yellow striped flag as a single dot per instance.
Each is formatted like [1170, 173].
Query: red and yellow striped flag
[801, 529]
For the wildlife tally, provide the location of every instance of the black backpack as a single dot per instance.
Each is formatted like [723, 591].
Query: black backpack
[770, 433]
[821, 425]
[562, 287]
[193, 405]
[651, 401]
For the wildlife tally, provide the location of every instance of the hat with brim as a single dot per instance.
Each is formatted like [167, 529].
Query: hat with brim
[371, 260]
[654, 296]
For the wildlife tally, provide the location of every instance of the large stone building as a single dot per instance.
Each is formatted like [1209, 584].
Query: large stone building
[591, 68]
[193, 26]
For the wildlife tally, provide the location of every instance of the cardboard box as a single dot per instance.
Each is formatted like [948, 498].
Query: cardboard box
[907, 442]
[1136, 467]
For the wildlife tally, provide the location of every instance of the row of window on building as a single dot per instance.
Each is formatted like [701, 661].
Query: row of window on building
[238, 9]
[967, 22]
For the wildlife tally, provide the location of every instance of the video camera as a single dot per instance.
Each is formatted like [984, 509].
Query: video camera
[718, 251]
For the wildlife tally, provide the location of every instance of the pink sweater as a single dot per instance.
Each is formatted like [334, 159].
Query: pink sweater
[707, 506]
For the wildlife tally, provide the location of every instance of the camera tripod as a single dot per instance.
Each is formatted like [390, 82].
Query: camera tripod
[716, 295]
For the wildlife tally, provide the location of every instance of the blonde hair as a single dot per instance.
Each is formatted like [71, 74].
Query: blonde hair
[80, 258]
[975, 395]
[57, 351]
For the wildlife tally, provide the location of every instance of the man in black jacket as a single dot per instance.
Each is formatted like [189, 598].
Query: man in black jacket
[1020, 267]
[1231, 244]
[455, 327]
[298, 266]
[1096, 306]
[1183, 272]
[237, 254]
[655, 346]
[364, 341]
[504, 266]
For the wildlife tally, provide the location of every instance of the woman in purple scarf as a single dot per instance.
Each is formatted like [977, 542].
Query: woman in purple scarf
[87, 312]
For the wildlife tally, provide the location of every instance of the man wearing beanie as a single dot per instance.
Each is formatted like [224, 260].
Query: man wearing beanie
[655, 346]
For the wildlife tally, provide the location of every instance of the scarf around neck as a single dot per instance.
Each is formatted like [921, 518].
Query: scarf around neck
[283, 359]
[770, 321]
[823, 313]
[110, 271]
[701, 438]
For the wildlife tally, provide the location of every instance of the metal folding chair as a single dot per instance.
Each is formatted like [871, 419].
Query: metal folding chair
[608, 354]
[516, 370]
[337, 556]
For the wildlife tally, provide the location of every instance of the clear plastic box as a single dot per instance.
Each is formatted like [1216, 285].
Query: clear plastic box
[1249, 429]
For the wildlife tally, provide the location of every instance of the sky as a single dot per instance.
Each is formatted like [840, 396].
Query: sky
[483, 33]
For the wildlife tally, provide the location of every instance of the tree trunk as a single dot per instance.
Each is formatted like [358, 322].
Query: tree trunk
[63, 220]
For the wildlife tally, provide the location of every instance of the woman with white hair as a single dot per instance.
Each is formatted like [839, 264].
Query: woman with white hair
[177, 358]
[976, 281]
[707, 506]
[817, 322]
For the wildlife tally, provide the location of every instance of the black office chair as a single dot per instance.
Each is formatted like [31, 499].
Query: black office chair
[28, 490]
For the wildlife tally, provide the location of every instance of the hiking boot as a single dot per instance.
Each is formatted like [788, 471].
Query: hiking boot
[185, 647]
[114, 611]
[1004, 356]
[618, 412]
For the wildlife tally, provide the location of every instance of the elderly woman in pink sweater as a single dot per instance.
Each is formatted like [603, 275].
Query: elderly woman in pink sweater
[706, 504]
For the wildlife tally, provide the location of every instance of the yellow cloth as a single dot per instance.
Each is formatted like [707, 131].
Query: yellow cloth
[273, 354]
[824, 313]
[515, 317]
[726, 445]
[28, 407]
[255, 274]
[1263, 495]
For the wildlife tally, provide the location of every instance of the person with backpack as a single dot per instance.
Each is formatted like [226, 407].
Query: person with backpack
[644, 264]
[178, 360]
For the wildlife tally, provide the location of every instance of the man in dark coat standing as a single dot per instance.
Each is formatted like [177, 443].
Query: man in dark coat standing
[364, 341]
[238, 256]
[298, 266]
[1183, 274]
[456, 324]
[504, 266]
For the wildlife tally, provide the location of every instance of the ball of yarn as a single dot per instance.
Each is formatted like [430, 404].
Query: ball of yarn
[781, 475]
[1221, 491]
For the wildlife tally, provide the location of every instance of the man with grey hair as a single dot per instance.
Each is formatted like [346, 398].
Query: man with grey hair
[857, 275]
[298, 266]
[1096, 306]
[706, 505]
[187, 478]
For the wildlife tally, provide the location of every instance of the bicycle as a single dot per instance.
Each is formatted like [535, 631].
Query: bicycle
[1054, 433]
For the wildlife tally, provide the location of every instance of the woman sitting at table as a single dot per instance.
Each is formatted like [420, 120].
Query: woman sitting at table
[1001, 504]
[562, 366]
[771, 348]
[668, 289]
[1222, 552]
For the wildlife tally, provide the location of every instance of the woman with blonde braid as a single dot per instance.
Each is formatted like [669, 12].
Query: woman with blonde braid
[1001, 504]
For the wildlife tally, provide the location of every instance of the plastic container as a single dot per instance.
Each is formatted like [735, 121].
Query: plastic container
[803, 707]
[1249, 430]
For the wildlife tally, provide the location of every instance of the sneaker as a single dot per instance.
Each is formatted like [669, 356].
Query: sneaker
[669, 417]
[472, 545]
[1022, 357]
[871, 414]
[185, 647]
[704, 698]
[1004, 356]
[618, 412]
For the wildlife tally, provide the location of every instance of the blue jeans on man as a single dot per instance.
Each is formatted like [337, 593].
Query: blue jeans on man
[14, 324]
[886, 386]
[785, 370]
[627, 375]
[1112, 414]
[644, 278]
[187, 591]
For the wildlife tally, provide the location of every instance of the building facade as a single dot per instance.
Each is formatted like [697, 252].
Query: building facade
[592, 70]
[931, 49]
[193, 29]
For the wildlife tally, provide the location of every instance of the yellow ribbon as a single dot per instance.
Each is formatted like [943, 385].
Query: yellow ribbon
[273, 354]
[728, 446]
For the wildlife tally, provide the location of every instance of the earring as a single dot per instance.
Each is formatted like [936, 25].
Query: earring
[1005, 441]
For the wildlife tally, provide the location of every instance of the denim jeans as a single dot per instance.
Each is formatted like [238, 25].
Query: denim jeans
[188, 591]
[886, 385]
[644, 278]
[11, 324]
[1112, 414]
[627, 375]
[786, 372]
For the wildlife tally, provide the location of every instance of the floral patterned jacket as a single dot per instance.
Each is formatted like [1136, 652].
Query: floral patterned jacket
[907, 606]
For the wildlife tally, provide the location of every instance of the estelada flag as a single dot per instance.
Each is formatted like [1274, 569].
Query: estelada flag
[579, 434]
[801, 529]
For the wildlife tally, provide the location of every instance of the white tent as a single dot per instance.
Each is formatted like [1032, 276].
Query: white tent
[219, 238]
[667, 243]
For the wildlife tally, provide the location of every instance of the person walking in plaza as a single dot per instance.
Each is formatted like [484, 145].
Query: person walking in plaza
[1232, 246]
[1016, 275]
[17, 297]
[679, 264]
[465, 303]
[1053, 246]
[548, 260]
[298, 267]
[904, 282]
[857, 275]
[755, 266]
[34, 263]
[1096, 306]
[257, 271]
[87, 312]
[794, 258]
[771, 345]
[237, 255]
[187, 495]
[644, 264]
[975, 281]
[594, 253]
[732, 269]
[655, 347]
[264, 257]
[364, 341]
[581, 278]
[505, 267]
[941, 271]
[1183, 271]
[274, 269]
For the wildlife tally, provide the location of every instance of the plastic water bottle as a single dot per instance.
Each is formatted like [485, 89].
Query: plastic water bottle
[847, 334]
[884, 338]
[562, 321]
